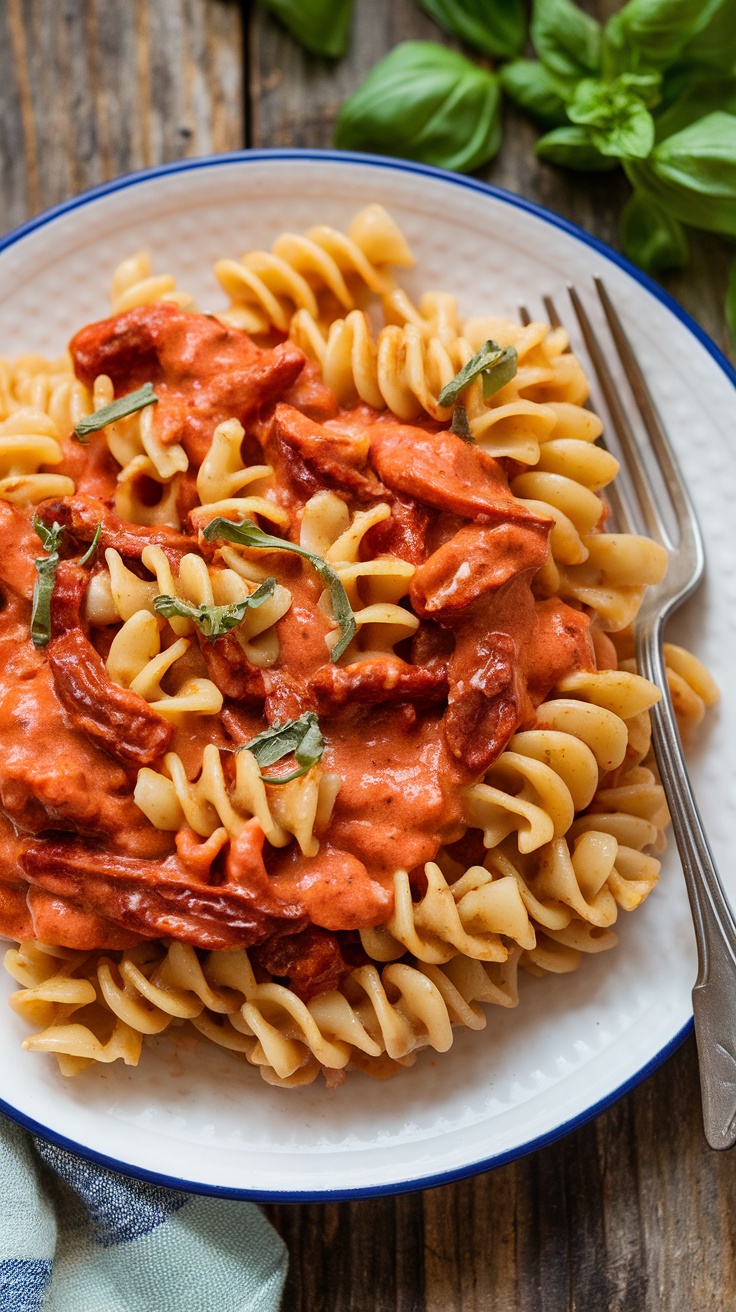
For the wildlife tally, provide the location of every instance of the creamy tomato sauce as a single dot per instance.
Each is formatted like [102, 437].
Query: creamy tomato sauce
[405, 732]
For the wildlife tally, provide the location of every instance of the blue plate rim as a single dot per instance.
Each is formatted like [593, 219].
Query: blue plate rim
[573, 230]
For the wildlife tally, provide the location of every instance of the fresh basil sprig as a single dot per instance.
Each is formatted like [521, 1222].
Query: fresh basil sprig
[654, 90]
[651, 236]
[43, 590]
[494, 27]
[571, 148]
[46, 567]
[428, 103]
[247, 534]
[567, 41]
[118, 409]
[617, 114]
[322, 26]
[301, 738]
[534, 89]
[214, 621]
[692, 174]
[91, 549]
[496, 365]
[655, 33]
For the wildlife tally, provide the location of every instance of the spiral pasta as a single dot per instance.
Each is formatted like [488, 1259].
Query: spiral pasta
[532, 863]
[134, 284]
[313, 272]
[471, 916]
[209, 805]
[374, 586]
[118, 594]
[95, 1009]
[40, 401]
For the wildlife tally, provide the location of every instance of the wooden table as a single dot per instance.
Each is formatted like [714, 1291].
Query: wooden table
[631, 1213]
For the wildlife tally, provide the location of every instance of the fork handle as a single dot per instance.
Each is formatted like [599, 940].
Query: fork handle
[714, 994]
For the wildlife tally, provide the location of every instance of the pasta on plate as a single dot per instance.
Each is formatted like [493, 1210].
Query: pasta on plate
[318, 705]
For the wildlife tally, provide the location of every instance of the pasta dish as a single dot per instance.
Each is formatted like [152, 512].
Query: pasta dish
[318, 705]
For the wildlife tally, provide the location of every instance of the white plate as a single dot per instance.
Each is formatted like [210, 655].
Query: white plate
[198, 1118]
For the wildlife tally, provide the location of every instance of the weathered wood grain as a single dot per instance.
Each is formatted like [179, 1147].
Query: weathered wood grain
[90, 90]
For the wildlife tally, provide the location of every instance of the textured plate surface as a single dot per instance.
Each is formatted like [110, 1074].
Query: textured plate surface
[195, 1116]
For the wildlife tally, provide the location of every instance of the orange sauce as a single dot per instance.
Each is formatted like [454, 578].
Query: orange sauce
[406, 732]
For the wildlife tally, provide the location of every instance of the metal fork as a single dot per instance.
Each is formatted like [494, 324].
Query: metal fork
[714, 994]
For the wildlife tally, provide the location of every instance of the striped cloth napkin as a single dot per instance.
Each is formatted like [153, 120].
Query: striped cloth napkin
[75, 1237]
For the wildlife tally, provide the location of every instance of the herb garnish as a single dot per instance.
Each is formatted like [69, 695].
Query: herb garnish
[119, 409]
[91, 549]
[214, 621]
[460, 425]
[247, 534]
[496, 366]
[46, 567]
[301, 737]
[43, 590]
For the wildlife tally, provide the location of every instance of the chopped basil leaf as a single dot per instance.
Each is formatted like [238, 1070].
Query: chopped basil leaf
[214, 621]
[50, 537]
[247, 534]
[124, 405]
[43, 590]
[496, 366]
[460, 424]
[300, 738]
[91, 549]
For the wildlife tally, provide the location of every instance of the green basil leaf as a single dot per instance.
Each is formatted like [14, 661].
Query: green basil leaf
[692, 174]
[118, 409]
[51, 538]
[651, 237]
[322, 26]
[573, 148]
[567, 41]
[43, 589]
[495, 27]
[531, 86]
[91, 549]
[731, 307]
[700, 95]
[301, 738]
[496, 365]
[428, 103]
[620, 123]
[654, 33]
[247, 534]
[214, 621]
[715, 43]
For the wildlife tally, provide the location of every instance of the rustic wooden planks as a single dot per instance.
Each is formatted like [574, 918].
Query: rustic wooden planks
[89, 90]
[631, 1213]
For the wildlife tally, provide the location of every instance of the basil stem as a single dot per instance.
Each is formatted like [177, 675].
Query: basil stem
[43, 590]
[247, 534]
[460, 423]
[301, 737]
[91, 549]
[214, 621]
[496, 366]
[124, 405]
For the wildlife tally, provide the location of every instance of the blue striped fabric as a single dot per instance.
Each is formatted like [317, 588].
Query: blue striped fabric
[78, 1238]
[23, 1283]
